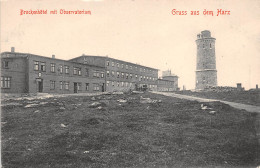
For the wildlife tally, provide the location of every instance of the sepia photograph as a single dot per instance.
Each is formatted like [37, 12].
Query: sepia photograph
[130, 83]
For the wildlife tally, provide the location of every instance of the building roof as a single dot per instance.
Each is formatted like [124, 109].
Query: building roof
[34, 55]
[105, 57]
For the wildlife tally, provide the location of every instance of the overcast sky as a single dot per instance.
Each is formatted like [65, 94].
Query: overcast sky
[143, 32]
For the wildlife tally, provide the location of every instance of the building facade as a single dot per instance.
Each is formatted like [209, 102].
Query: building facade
[168, 82]
[121, 75]
[206, 72]
[28, 73]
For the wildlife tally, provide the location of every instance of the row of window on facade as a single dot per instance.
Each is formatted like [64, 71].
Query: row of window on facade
[64, 85]
[166, 82]
[41, 66]
[124, 84]
[129, 67]
[203, 46]
[130, 76]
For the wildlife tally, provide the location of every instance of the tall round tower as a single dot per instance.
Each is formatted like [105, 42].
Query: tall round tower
[206, 73]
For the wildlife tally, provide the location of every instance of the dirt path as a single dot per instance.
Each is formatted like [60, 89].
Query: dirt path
[249, 108]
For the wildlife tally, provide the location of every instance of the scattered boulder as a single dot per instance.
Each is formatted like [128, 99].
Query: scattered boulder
[62, 108]
[37, 111]
[31, 105]
[99, 107]
[93, 98]
[149, 100]
[62, 125]
[94, 104]
[118, 93]
[122, 101]
[137, 92]
[205, 107]
[42, 103]
[212, 112]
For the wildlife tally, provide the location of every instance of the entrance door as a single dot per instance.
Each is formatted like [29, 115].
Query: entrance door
[40, 86]
[75, 87]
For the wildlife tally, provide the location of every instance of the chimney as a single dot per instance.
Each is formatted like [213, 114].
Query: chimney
[256, 86]
[239, 86]
[53, 56]
[12, 49]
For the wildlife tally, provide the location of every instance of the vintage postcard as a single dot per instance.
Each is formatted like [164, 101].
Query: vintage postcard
[134, 83]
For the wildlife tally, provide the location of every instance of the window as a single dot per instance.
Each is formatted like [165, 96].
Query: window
[122, 84]
[79, 71]
[66, 69]
[107, 73]
[136, 76]
[117, 73]
[67, 85]
[43, 66]
[61, 85]
[203, 46]
[36, 65]
[112, 73]
[107, 63]
[96, 87]
[5, 64]
[113, 64]
[130, 67]
[52, 85]
[52, 67]
[210, 45]
[122, 75]
[5, 82]
[140, 69]
[144, 69]
[102, 74]
[126, 66]
[118, 84]
[147, 78]
[122, 66]
[96, 74]
[87, 86]
[131, 76]
[113, 83]
[61, 69]
[126, 75]
[117, 65]
[87, 72]
[79, 86]
[144, 78]
[126, 84]
[140, 79]
[74, 71]
[107, 83]
[136, 68]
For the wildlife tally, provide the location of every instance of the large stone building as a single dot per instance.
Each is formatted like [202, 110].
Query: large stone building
[206, 73]
[122, 75]
[29, 73]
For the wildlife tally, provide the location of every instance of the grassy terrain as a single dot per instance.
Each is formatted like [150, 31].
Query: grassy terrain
[246, 97]
[68, 132]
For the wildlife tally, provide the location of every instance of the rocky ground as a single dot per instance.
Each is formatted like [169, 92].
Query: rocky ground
[126, 130]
